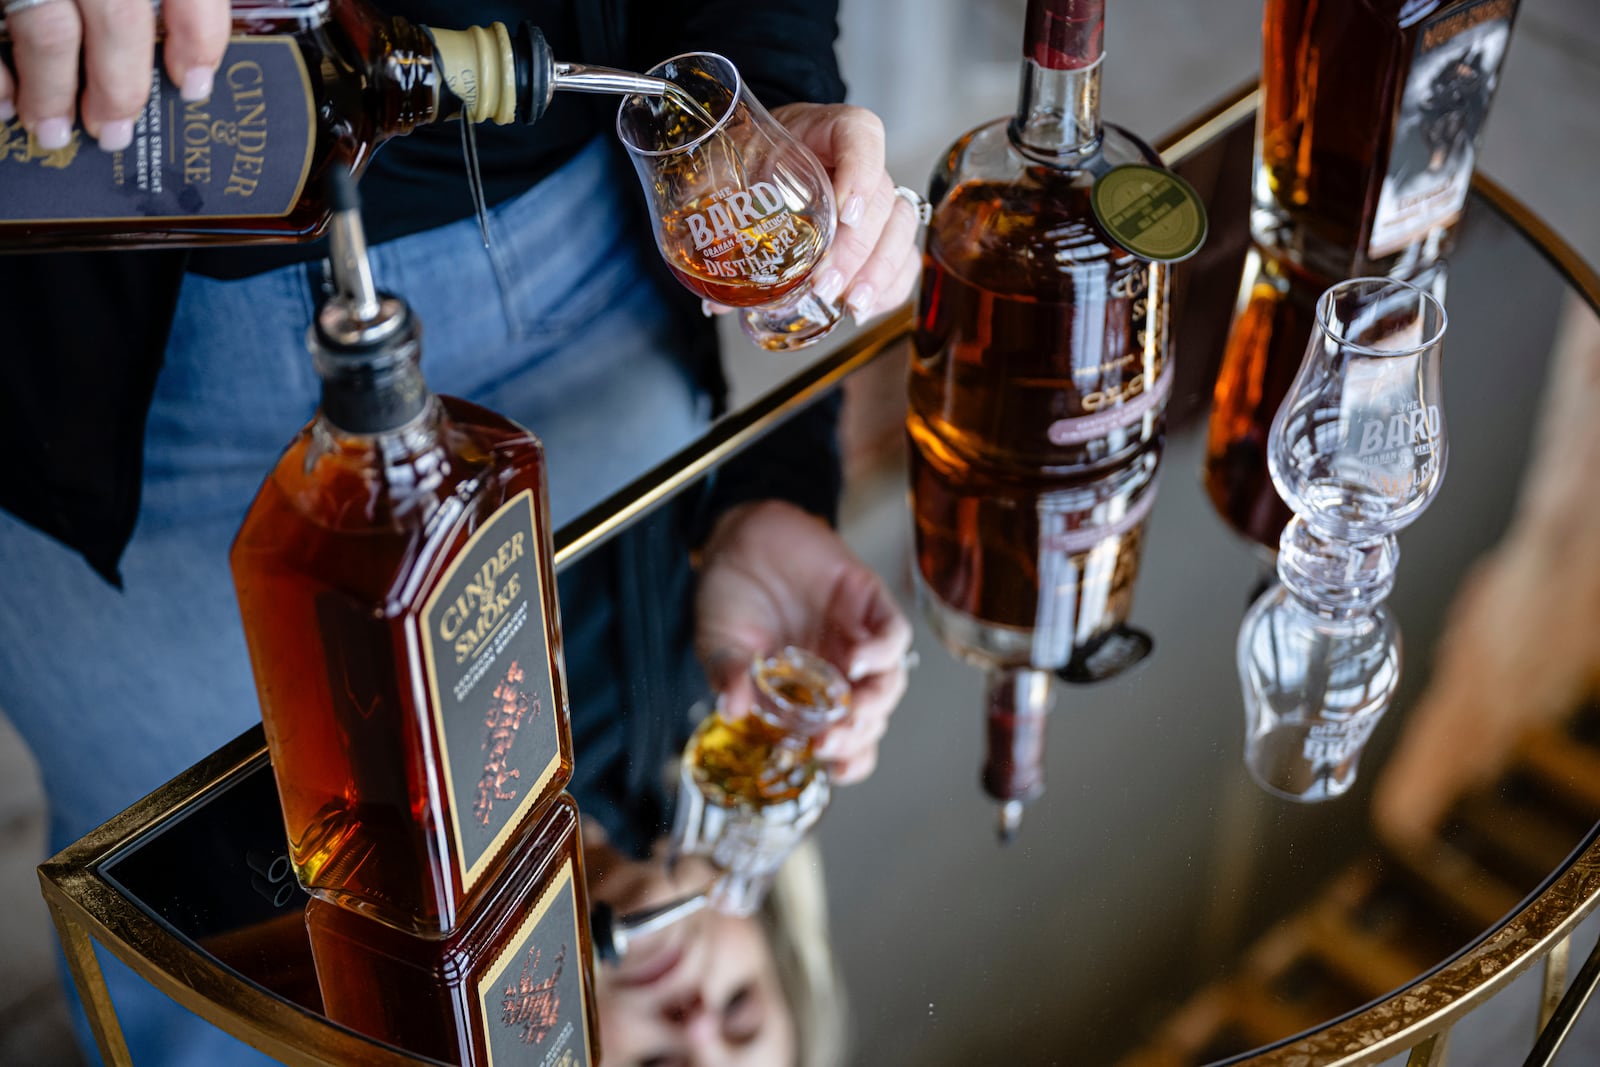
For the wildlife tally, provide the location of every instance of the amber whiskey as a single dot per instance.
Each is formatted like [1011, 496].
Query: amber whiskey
[1040, 343]
[304, 85]
[514, 984]
[395, 580]
[1369, 123]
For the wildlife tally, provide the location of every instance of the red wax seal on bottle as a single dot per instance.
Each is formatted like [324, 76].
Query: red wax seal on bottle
[1065, 34]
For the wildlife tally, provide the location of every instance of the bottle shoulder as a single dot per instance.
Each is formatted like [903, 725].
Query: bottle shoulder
[1015, 223]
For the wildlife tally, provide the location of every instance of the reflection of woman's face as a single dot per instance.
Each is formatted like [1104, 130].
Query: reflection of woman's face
[703, 993]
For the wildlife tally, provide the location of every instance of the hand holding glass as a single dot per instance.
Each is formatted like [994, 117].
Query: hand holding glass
[743, 211]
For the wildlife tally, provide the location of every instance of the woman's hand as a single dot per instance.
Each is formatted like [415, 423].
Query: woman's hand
[775, 575]
[874, 261]
[113, 43]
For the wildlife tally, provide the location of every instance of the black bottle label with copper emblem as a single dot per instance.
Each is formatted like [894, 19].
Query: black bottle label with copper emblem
[489, 678]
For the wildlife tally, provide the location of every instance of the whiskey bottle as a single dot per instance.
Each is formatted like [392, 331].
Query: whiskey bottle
[1041, 338]
[1029, 577]
[395, 580]
[303, 85]
[1368, 128]
[514, 983]
[750, 790]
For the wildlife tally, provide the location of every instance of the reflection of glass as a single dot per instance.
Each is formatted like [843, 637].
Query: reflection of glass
[743, 211]
[1358, 448]
[1027, 575]
[1314, 689]
[752, 789]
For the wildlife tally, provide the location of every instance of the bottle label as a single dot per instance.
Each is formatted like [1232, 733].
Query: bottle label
[1151, 212]
[489, 676]
[531, 1000]
[1446, 97]
[244, 153]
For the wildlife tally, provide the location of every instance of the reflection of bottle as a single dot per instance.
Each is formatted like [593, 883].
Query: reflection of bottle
[752, 789]
[1038, 343]
[301, 86]
[1315, 685]
[1025, 575]
[1369, 121]
[513, 981]
[394, 575]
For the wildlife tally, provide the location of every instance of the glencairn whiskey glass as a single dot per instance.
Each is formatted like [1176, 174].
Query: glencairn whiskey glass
[743, 211]
[750, 790]
[1358, 448]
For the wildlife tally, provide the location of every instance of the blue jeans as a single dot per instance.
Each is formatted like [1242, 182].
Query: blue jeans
[557, 325]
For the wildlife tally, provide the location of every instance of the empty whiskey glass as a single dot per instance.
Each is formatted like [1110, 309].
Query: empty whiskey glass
[1314, 687]
[743, 211]
[749, 791]
[1358, 448]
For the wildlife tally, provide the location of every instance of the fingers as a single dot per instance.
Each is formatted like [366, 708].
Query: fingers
[196, 37]
[8, 95]
[854, 243]
[118, 43]
[885, 280]
[856, 146]
[44, 46]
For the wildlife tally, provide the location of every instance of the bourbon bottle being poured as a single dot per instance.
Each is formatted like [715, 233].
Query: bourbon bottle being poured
[304, 84]
[395, 578]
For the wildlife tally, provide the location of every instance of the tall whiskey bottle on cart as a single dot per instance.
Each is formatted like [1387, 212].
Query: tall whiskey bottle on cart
[1041, 363]
[395, 579]
[1370, 118]
[304, 84]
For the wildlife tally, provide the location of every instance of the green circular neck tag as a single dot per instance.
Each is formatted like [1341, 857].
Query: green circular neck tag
[1152, 213]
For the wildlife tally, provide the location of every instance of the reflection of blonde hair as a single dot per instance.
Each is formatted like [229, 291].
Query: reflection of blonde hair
[796, 919]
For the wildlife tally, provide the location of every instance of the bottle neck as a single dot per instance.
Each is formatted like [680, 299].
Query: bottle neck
[1058, 107]
[477, 74]
[372, 383]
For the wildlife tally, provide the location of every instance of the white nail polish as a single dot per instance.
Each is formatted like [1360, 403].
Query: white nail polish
[53, 134]
[8, 110]
[116, 136]
[830, 285]
[854, 208]
[197, 83]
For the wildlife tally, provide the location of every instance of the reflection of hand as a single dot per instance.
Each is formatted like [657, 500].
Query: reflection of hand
[775, 575]
[873, 262]
[115, 41]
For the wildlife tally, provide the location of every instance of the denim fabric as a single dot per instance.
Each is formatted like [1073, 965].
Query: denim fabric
[556, 325]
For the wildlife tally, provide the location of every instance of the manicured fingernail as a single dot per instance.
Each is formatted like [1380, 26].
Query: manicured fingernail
[830, 285]
[724, 712]
[196, 84]
[854, 208]
[859, 669]
[8, 111]
[707, 309]
[860, 301]
[53, 134]
[115, 136]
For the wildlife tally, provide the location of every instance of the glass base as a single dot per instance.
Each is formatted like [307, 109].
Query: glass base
[1335, 579]
[798, 320]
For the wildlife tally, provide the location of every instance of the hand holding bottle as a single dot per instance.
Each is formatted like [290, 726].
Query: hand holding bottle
[113, 42]
[775, 575]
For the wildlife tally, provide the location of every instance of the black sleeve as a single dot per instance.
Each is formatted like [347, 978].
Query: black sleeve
[783, 48]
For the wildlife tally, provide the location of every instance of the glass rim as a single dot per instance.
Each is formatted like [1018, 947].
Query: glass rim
[716, 127]
[1325, 304]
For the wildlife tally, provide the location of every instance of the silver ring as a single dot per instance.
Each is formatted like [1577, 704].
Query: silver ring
[11, 7]
[919, 206]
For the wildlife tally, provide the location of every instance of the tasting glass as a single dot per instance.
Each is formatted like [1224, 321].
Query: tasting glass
[743, 212]
[749, 793]
[1358, 448]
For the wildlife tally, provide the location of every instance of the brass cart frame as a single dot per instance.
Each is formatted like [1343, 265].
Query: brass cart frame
[87, 908]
